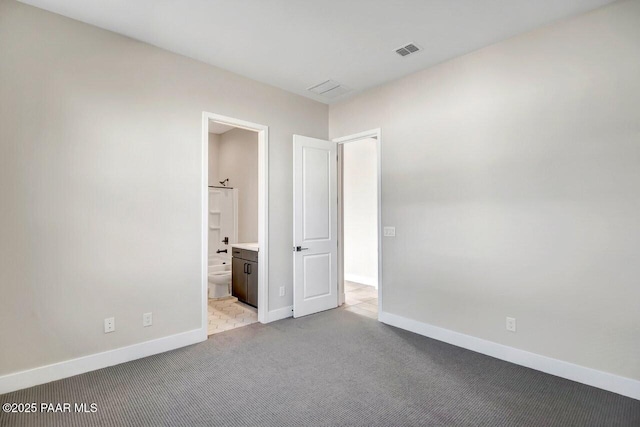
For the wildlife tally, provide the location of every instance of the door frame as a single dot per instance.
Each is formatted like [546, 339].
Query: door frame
[263, 211]
[377, 135]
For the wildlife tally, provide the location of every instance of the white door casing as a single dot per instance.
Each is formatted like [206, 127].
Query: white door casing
[315, 225]
[263, 212]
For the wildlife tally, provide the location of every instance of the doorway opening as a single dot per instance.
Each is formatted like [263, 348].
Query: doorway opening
[359, 223]
[234, 223]
[322, 172]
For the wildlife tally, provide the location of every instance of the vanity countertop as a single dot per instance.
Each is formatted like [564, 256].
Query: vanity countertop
[247, 246]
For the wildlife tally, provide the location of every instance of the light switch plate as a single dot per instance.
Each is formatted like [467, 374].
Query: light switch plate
[147, 319]
[389, 232]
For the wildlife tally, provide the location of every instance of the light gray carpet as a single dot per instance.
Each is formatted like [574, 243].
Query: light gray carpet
[333, 368]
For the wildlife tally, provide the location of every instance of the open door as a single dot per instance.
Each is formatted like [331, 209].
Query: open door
[315, 225]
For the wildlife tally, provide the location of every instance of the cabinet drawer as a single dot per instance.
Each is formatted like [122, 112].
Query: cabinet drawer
[245, 254]
[251, 255]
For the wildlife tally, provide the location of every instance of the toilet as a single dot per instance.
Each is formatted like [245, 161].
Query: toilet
[219, 281]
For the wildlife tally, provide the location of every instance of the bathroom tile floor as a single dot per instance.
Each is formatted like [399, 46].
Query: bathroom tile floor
[361, 299]
[229, 313]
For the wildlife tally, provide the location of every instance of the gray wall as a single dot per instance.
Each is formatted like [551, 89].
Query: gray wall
[512, 177]
[238, 161]
[214, 154]
[100, 172]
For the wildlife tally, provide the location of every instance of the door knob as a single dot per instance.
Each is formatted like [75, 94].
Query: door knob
[300, 249]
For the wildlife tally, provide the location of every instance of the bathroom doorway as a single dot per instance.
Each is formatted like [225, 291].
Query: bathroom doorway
[234, 250]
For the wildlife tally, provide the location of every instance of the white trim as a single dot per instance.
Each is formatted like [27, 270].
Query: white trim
[280, 313]
[341, 293]
[377, 134]
[372, 133]
[606, 381]
[204, 248]
[363, 280]
[263, 210]
[80, 365]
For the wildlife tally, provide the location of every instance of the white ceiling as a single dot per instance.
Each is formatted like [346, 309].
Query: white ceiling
[295, 44]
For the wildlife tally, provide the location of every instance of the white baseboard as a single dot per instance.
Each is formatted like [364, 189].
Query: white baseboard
[279, 314]
[69, 368]
[606, 381]
[364, 280]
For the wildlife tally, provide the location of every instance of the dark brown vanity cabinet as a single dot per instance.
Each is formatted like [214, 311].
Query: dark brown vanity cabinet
[244, 276]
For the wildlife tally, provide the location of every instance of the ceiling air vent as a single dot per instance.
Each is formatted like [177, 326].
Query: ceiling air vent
[329, 89]
[407, 50]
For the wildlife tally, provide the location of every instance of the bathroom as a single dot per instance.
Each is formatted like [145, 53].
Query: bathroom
[232, 228]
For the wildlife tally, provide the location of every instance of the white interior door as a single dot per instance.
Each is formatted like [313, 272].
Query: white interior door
[315, 225]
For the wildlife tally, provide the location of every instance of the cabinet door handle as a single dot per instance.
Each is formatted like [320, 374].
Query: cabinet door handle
[248, 268]
[245, 267]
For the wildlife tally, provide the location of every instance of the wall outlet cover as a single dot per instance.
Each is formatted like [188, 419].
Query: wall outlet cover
[511, 324]
[389, 232]
[109, 324]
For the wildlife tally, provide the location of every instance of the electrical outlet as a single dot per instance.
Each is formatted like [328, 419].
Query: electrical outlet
[281, 291]
[511, 324]
[389, 232]
[147, 319]
[109, 324]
